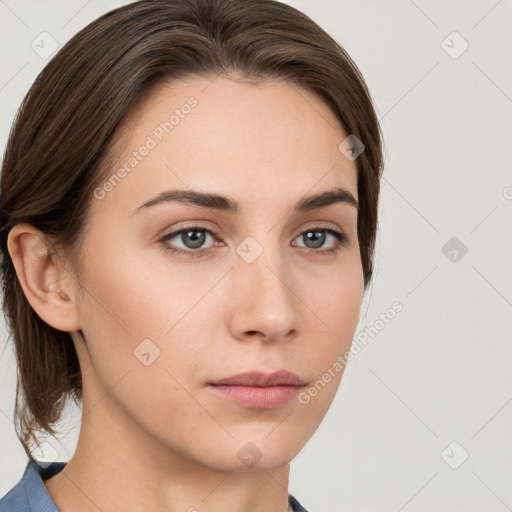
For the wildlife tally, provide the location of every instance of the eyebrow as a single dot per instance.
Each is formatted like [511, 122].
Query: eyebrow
[222, 203]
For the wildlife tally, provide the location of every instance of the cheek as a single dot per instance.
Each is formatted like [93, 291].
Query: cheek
[138, 293]
[142, 309]
[334, 299]
[146, 340]
[337, 308]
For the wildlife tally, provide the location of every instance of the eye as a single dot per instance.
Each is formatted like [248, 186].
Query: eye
[193, 238]
[316, 237]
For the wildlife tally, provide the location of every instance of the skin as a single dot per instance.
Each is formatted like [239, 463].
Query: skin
[155, 437]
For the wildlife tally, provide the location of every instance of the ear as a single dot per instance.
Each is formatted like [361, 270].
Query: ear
[49, 289]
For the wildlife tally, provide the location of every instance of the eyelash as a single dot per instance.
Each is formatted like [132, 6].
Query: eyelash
[341, 240]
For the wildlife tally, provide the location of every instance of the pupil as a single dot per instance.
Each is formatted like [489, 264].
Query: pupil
[197, 241]
[317, 237]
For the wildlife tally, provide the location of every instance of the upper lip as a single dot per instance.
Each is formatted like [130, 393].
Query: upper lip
[261, 379]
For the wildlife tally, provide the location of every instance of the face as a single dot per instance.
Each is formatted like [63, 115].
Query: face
[184, 293]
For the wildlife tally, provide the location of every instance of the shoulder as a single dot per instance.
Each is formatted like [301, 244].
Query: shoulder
[16, 500]
[294, 503]
[30, 494]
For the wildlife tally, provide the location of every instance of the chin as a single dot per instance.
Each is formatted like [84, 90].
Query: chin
[256, 453]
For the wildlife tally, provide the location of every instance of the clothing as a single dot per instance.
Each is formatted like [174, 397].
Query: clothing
[30, 494]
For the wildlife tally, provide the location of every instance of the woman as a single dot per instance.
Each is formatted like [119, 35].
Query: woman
[188, 207]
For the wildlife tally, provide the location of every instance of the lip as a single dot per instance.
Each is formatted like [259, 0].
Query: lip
[261, 379]
[258, 390]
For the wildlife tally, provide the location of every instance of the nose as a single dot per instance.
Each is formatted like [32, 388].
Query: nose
[264, 305]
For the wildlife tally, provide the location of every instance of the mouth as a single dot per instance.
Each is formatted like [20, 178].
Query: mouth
[258, 390]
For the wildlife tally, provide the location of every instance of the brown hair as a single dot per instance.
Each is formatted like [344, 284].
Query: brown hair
[61, 143]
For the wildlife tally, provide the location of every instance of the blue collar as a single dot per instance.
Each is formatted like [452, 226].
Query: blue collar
[30, 494]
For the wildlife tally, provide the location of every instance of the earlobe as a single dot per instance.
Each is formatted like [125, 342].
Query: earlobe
[49, 291]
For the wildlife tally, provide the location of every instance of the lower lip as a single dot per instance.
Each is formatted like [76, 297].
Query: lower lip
[253, 397]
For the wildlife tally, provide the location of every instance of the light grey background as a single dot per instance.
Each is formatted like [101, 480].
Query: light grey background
[440, 371]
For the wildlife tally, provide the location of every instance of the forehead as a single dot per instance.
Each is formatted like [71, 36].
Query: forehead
[259, 143]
